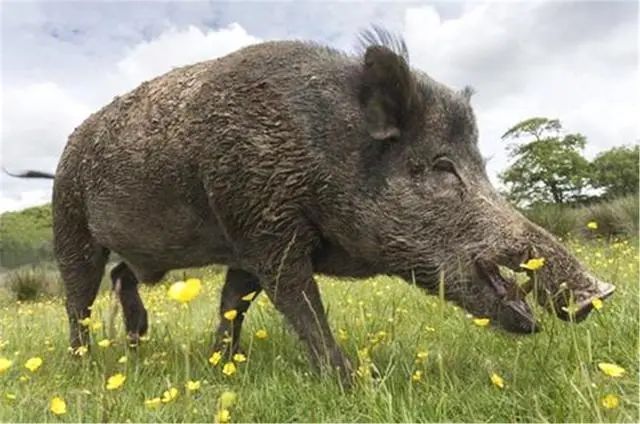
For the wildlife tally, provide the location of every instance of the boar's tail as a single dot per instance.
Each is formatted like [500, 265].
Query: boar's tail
[30, 174]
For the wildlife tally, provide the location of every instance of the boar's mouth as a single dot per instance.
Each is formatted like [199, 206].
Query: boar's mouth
[512, 311]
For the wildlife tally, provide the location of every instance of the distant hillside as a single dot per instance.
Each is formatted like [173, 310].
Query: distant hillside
[26, 236]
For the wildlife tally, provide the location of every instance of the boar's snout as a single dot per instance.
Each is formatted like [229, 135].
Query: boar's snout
[577, 309]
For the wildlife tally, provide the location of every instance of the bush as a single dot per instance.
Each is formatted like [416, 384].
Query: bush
[33, 282]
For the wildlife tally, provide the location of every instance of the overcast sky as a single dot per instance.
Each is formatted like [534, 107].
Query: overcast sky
[576, 61]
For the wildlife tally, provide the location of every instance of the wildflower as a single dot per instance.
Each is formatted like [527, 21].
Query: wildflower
[421, 356]
[239, 357]
[152, 403]
[416, 376]
[597, 304]
[481, 322]
[610, 401]
[5, 364]
[215, 358]
[227, 400]
[612, 370]
[230, 315]
[262, 334]
[24, 378]
[222, 416]
[10, 396]
[229, 369]
[342, 334]
[533, 264]
[192, 386]
[104, 343]
[33, 364]
[123, 359]
[185, 291]
[85, 322]
[429, 329]
[96, 326]
[497, 380]
[592, 225]
[249, 297]
[81, 351]
[169, 395]
[58, 406]
[115, 381]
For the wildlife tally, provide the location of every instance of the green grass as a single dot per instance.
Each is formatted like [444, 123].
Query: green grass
[551, 376]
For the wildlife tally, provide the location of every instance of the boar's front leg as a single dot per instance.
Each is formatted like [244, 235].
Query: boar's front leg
[294, 292]
[239, 290]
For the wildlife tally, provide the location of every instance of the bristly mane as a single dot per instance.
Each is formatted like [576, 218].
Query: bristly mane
[378, 36]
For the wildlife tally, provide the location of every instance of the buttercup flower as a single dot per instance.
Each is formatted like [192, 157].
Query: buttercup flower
[497, 380]
[58, 406]
[230, 315]
[229, 369]
[597, 304]
[5, 364]
[152, 403]
[115, 381]
[123, 359]
[533, 264]
[192, 386]
[416, 376]
[610, 401]
[262, 334]
[104, 343]
[227, 400]
[239, 357]
[592, 225]
[169, 395]
[185, 291]
[481, 322]
[215, 358]
[612, 370]
[222, 416]
[33, 364]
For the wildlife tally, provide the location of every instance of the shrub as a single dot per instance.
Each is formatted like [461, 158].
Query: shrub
[33, 282]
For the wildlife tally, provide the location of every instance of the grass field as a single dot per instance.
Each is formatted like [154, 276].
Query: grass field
[551, 376]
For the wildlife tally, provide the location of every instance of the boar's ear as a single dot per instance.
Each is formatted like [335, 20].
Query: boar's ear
[389, 94]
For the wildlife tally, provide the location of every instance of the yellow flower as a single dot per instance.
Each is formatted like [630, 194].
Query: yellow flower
[239, 357]
[417, 376]
[610, 401]
[422, 355]
[215, 358]
[123, 359]
[497, 380]
[262, 334]
[249, 297]
[231, 314]
[24, 378]
[533, 264]
[612, 370]
[342, 334]
[96, 326]
[169, 395]
[104, 343]
[33, 364]
[185, 291]
[192, 386]
[597, 304]
[481, 322]
[10, 396]
[85, 322]
[58, 406]
[115, 381]
[227, 400]
[81, 351]
[5, 364]
[592, 225]
[152, 403]
[223, 416]
[229, 369]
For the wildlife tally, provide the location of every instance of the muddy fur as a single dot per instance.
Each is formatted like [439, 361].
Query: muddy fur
[282, 160]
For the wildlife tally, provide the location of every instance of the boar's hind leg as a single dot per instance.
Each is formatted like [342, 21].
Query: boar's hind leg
[125, 285]
[294, 292]
[238, 285]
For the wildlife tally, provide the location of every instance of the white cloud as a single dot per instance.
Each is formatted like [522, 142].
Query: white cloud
[175, 48]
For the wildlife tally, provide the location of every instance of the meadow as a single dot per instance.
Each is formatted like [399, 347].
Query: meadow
[418, 359]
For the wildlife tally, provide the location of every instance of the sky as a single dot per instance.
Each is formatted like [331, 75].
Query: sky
[572, 60]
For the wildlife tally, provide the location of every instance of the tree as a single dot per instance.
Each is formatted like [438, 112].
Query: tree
[616, 171]
[548, 166]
